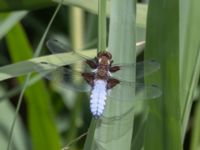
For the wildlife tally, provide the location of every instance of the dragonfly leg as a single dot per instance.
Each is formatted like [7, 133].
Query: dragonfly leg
[112, 83]
[92, 63]
[114, 69]
[89, 78]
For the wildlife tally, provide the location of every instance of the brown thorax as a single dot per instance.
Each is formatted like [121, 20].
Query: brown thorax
[104, 59]
[103, 66]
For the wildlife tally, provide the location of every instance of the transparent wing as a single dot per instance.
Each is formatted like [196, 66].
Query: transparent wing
[119, 96]
[139, 91]
[122, 124]
[55, 46]
[125, 107]
[143, 68]
[72, 78]
[63, 76]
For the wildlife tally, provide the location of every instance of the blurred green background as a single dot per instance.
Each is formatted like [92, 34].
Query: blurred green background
[51, 117]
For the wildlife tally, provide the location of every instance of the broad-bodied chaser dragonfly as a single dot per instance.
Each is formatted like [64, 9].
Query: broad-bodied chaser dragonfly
[101, 79]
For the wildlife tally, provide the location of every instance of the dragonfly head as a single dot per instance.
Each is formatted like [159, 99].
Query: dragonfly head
[104, 58]
[105, 54]
[104, 61]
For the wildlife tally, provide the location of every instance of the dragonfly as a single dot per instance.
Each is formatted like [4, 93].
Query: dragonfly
[101, 78]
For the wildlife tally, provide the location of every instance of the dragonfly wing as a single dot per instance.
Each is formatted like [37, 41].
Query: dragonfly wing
[123, 124]
[146, 68]
[143, 69]
[139, 91]
[124, 107]
[122, 112]
[63, 76]
[55, 46]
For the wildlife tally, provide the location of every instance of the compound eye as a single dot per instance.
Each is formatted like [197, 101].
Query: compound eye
[100, 60]
[108, 62]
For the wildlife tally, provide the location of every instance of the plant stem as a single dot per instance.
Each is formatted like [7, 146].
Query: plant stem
[102, 25]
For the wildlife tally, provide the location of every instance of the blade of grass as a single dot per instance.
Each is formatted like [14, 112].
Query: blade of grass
[23, 4]
[163, 128]
[90, 136]
[76, 27]
[8, 20]
[190, 51]
[6, 114]
[117, 135]
[92, 7]
[69, 145]
[91, 30]
[141, 15]
[38, 104]
[17, 90]
[24, 67]
[139, 129]
[89, 144]
[195, 138]
[102, 25]
[55, 140]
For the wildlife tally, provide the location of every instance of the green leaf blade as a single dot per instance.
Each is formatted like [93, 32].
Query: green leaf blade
[41, 124]
[117, 133]
[164, 125]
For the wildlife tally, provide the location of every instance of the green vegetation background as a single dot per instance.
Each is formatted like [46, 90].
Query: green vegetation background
[51, 118]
